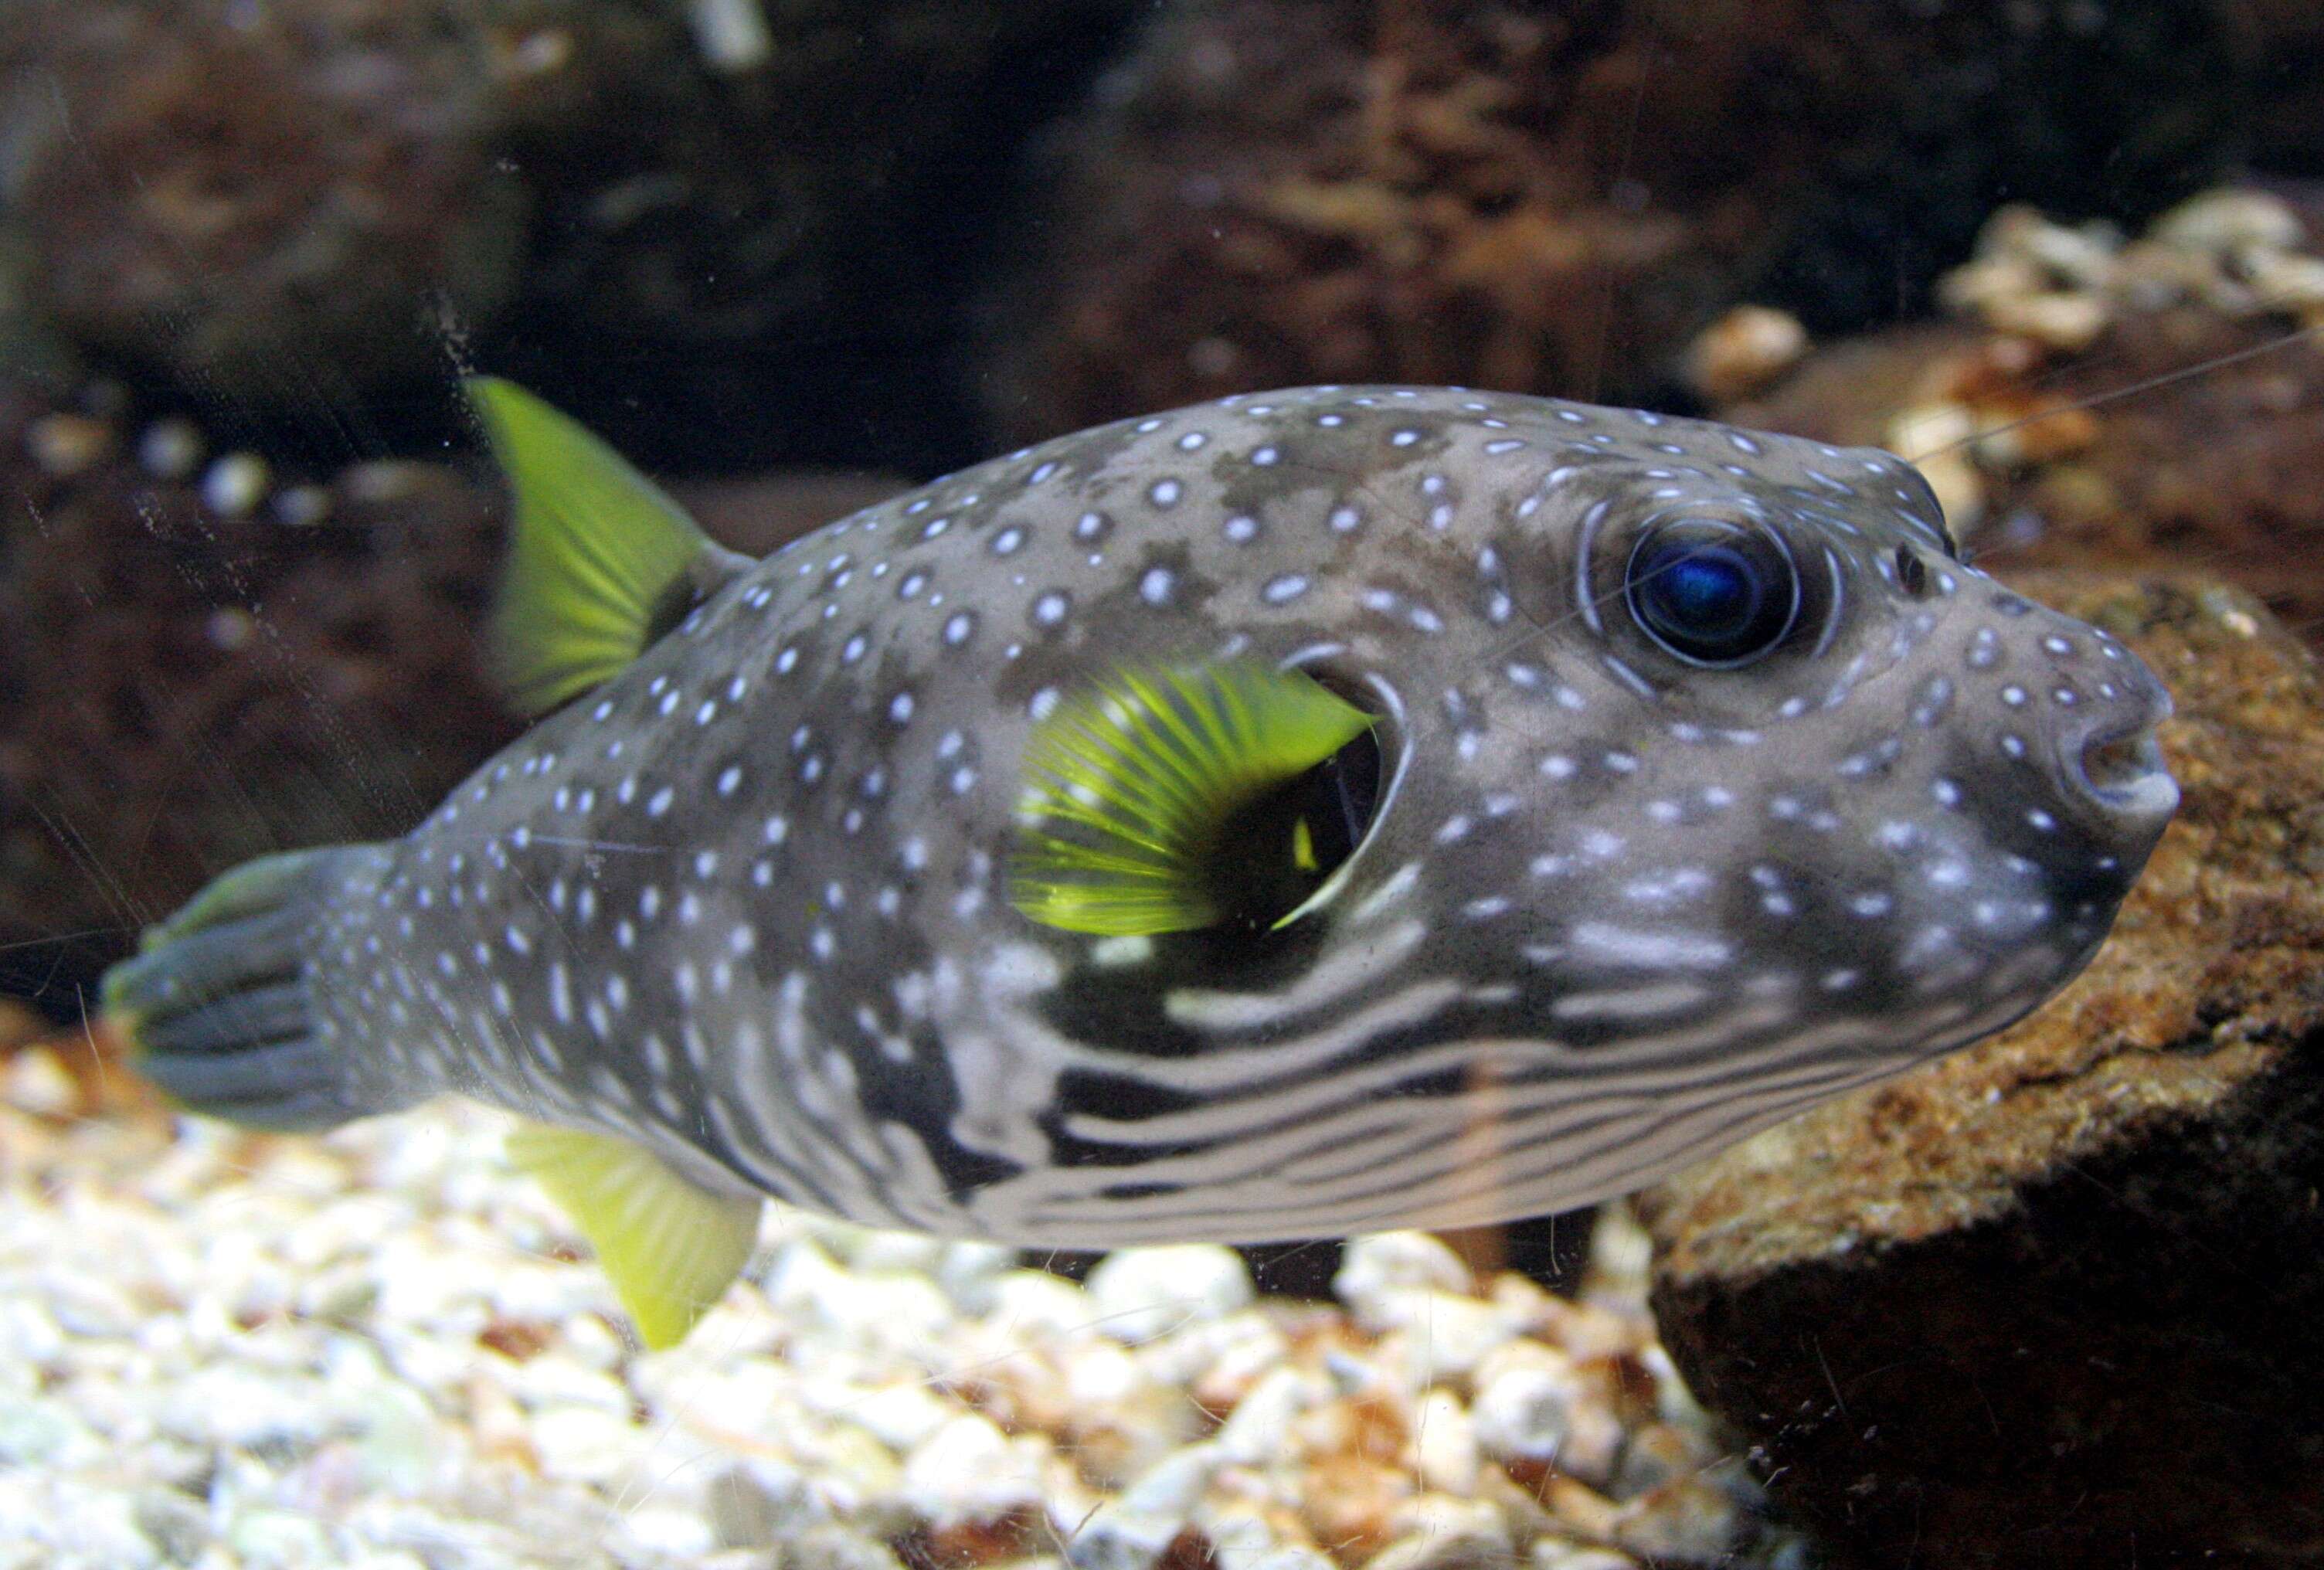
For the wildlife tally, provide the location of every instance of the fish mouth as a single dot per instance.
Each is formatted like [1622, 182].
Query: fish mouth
[2119, 768]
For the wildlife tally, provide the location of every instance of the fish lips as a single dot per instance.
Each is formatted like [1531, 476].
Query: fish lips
[2113, 767]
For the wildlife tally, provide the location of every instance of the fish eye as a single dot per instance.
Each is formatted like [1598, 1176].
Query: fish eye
[1711, 592]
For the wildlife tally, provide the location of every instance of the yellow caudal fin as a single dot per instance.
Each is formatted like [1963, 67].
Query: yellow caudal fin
[670, 1247]
[600, 561]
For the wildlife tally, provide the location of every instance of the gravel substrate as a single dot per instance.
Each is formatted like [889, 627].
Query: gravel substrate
[382, 1350]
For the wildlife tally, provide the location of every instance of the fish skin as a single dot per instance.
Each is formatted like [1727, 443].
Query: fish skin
[745, 903]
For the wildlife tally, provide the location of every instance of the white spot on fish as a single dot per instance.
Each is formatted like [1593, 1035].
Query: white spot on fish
[1651, 948]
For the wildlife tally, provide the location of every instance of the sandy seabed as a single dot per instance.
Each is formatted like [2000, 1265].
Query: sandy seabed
[384, 1350]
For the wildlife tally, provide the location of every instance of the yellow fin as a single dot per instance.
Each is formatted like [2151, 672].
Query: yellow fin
[670, 1247]
[599, 559]
[1135, 794]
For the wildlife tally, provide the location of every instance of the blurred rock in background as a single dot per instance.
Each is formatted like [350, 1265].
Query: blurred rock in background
[725, 233]
[1554, 198]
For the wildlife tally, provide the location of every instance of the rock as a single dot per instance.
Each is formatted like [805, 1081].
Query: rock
[329, 200]
[1444, 1453]
[968, 1473]
[900, 1416]
[2049, 1302]
[1536, 1411]
[1301, 191]
[1038, 1301]
[35, 1432]
[1371, 1265]
[1294, 1558]
[265, 210]
[1260, 1425]
[1443, 1533]
[1135, 1530]
[585, 1445]
[1556, 1554]
[1686, 1521]
[1439, 1334]
[756, 1501]
[968, 1272]
[1744, 352]
[836, 1548]
[1141, 1294]
[1350, 1502]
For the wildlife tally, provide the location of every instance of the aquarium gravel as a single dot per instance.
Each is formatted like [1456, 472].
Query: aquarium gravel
[379, 1351]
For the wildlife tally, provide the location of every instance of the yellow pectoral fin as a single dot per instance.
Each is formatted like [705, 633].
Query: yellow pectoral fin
[670, 1247]
[1133, 787]
[599, 559]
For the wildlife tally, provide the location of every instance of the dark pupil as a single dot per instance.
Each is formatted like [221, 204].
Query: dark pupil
[1709, 599]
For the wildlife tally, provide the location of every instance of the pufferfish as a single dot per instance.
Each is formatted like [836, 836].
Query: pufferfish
[1303, 813]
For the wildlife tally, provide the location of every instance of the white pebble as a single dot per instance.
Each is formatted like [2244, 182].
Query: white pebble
[1260, 1427]
[966, 1271]
[1134, 1530]
[1540, 1412]
[1443, 1533]
[234, 484]
[1445, 1450]
[1371, 1264]
[67, 444]
[1142, 1293]
[171, 449]
[584, 1444]
[302, 507]
[969, 1471]
[836, 1548]
[1035, 1301]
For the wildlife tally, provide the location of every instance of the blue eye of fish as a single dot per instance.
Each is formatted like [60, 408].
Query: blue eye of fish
[1711, 593]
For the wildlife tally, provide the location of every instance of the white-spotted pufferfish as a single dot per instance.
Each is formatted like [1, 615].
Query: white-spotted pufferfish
[1310, 812]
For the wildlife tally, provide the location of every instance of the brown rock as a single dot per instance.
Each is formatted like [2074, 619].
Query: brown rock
[721, 252]
[1554, 198]
[265, 206]
[2053, 1301]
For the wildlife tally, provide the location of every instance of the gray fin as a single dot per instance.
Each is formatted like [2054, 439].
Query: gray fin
[214, 1005]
